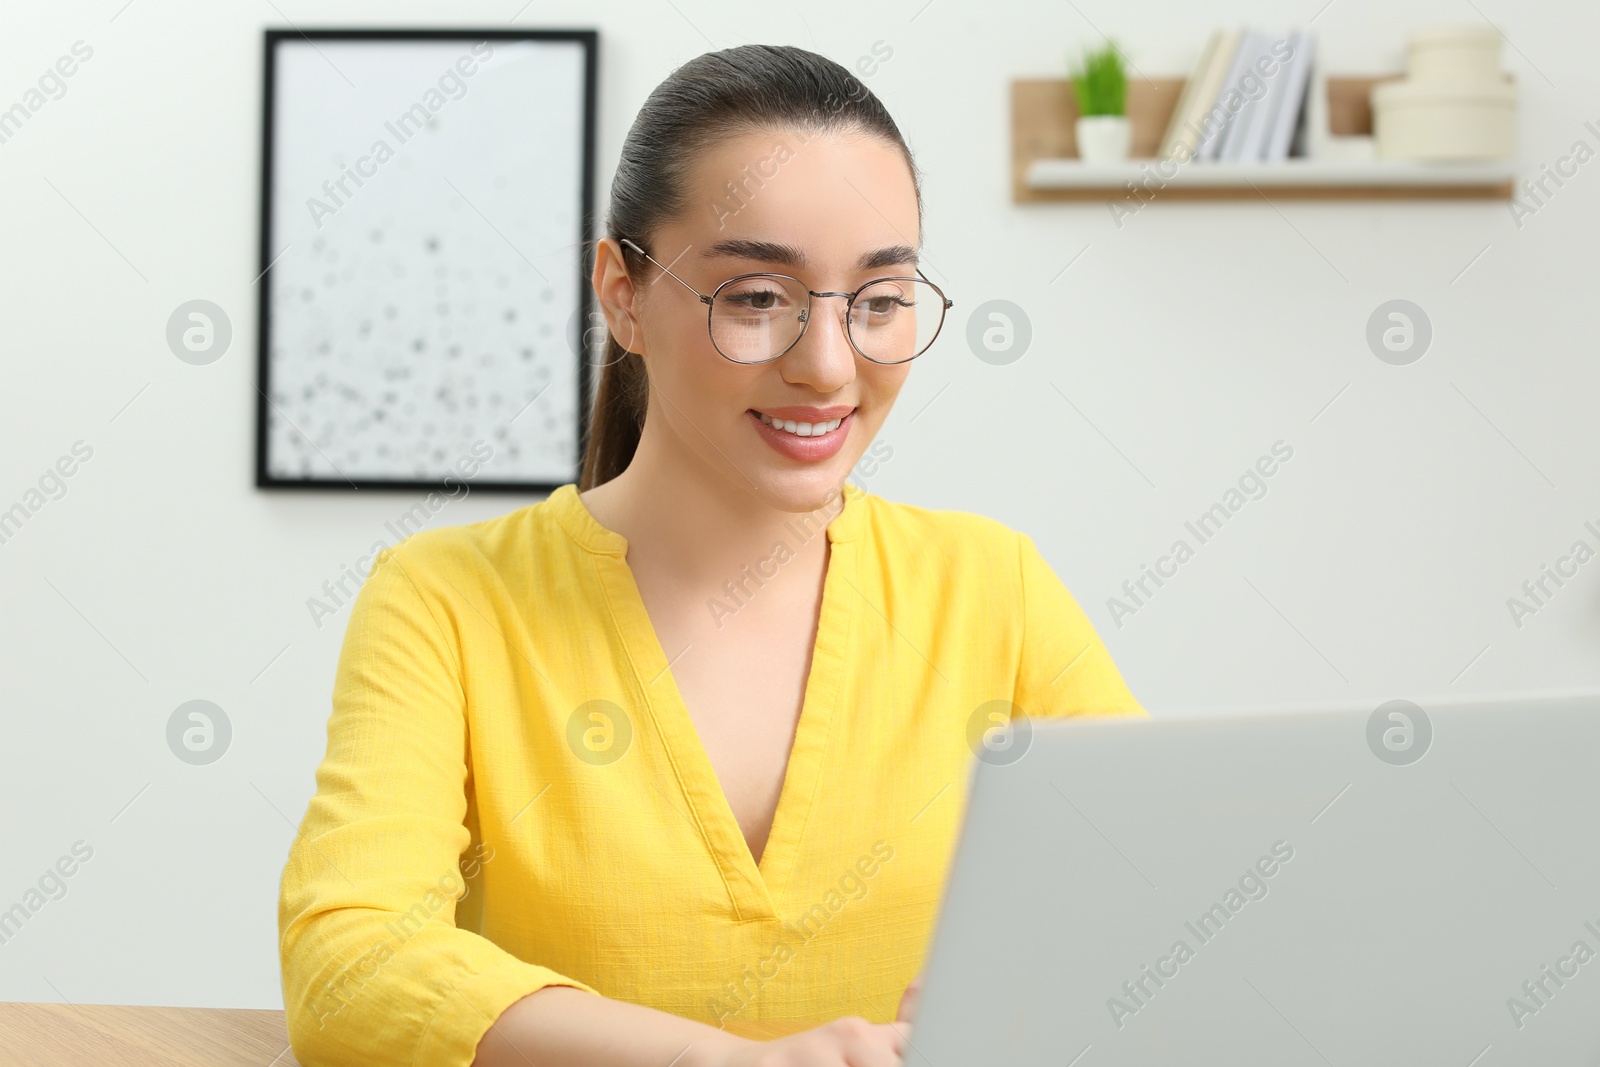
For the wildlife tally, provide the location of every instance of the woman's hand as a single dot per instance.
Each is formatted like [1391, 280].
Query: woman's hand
[908, 1001]
[847, 1042]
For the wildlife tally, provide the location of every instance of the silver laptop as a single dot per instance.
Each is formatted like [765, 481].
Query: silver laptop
[1396, 885]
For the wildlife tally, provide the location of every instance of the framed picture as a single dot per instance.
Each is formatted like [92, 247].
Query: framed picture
[425, 199]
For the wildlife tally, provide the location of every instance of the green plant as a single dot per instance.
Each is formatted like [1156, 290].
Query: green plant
[1100, 82]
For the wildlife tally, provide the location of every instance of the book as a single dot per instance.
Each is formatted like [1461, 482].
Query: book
[1192, 125]
[1281, 56]
[1290, 115]
[1176, 133]
[1219, 118]
[1236, 141]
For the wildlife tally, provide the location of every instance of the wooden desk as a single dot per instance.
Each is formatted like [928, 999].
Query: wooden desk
[50, 1035]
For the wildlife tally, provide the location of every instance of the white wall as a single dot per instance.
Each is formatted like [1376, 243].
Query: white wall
[1195, 336]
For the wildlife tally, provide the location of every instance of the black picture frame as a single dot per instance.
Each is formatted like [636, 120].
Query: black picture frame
[588, 41]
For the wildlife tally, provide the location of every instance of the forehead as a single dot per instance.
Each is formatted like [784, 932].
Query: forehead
[803, 200]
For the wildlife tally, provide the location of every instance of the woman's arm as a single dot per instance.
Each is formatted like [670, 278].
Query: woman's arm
[564, 1027]
[375, 970]
[559, 1026]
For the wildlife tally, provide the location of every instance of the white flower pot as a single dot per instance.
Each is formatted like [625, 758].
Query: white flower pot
[1103, 138]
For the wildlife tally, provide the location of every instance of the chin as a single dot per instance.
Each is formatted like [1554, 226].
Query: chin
[807, 491]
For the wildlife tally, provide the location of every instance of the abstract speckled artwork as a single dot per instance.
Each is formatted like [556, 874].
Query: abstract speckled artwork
[426, 209]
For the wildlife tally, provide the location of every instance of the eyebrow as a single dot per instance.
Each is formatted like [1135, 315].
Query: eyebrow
[790, 256]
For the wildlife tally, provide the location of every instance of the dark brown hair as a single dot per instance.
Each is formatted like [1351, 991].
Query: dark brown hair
[711, 97]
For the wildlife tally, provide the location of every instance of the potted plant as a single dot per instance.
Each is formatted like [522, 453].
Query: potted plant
[1101, 86]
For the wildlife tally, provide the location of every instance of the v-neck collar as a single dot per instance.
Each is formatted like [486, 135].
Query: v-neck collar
[754, 889]
[568, 509]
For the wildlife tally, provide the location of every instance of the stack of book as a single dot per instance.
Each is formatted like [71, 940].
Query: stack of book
[1245, 102]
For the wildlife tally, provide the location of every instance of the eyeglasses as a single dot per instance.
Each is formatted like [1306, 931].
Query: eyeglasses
[755, 318]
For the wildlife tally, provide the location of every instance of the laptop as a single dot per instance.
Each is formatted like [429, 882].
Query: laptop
[1398, 884]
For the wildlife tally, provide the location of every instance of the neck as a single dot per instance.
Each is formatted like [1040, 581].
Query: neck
[702, 524]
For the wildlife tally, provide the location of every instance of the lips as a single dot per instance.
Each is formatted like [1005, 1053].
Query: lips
[808, 435]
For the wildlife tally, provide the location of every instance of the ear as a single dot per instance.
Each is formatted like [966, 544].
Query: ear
[617, 295]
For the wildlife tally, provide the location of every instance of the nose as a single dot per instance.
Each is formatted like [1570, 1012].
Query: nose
[823, 357]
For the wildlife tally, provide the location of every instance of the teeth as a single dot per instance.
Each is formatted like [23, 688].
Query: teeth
[801, 429]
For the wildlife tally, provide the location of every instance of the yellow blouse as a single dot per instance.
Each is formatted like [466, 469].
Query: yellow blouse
[514, 795]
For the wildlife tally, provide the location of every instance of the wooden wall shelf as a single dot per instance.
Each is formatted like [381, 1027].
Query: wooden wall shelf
[1045, 168]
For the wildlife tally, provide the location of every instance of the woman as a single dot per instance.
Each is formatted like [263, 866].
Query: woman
[672, 763]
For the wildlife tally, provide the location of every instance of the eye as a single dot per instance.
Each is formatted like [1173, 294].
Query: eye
[885, 303]
[759, 297]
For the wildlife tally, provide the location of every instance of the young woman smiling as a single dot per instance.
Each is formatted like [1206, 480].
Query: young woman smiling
[570, 815]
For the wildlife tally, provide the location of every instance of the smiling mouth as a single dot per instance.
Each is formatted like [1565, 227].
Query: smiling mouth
[801, 429]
